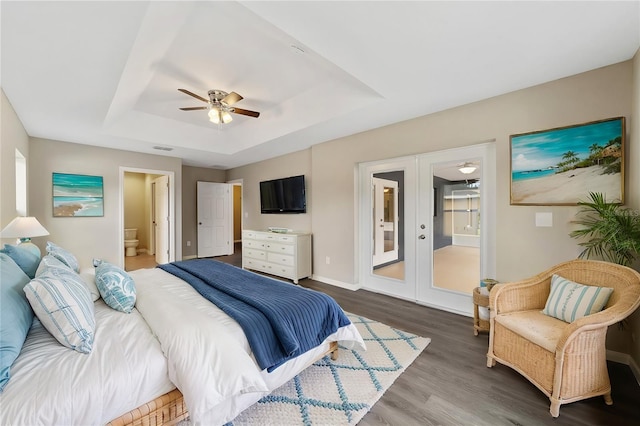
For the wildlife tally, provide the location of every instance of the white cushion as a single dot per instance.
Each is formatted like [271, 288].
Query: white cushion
[63, 305]
[543, 330]
[569, 301]
[89, 278]
[63, 255]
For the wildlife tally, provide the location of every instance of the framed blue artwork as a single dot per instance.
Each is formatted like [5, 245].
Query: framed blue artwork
[77, 195]
[562, 166]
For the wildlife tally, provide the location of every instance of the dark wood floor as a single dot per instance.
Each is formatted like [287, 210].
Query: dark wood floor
[449, 383]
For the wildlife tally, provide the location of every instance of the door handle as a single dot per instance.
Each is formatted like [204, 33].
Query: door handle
[422, 236]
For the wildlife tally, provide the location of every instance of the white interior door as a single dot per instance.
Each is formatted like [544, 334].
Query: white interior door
[162, 218]
[447, 272]
[400, 285]
[215, 219]
[385, 221]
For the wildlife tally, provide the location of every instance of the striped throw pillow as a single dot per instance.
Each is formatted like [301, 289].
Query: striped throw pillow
[569, 301]
[63, 305]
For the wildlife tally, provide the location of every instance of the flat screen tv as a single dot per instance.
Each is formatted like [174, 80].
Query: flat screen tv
[286, 195]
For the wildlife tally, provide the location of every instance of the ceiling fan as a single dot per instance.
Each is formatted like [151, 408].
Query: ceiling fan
[220, 106]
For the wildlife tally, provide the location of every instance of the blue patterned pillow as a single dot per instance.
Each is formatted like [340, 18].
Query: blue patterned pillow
[117, 288]
[63, 255]
[27, 260]
[63, 305]
[16, 315]
[569, 301]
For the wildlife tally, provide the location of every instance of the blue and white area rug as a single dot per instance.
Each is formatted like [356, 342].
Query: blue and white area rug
[340, 392]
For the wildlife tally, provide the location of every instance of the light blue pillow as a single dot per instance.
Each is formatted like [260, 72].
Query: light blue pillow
[26, 259]
[63, 305]
[16, 315]
[117, 288]
[63, 255]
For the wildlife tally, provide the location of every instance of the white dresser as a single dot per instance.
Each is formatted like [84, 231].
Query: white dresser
[285, 255]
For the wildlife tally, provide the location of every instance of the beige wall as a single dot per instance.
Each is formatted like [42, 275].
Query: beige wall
[297, 163]
[522, 249]
[12, 137]
[633, 191]
[590, 96]
[190, 177]
[89, 237]
[136, 212]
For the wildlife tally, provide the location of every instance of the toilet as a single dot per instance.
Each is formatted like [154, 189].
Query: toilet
[130, 242]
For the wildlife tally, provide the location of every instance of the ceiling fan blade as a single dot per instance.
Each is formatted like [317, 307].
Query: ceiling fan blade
[193, 108]
[232, 98]
[194, 95]
[245, 112]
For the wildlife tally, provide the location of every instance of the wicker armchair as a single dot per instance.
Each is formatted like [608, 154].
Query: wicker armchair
[566, 361]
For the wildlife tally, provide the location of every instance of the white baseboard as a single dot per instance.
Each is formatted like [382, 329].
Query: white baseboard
[336, 283]
[626, 359]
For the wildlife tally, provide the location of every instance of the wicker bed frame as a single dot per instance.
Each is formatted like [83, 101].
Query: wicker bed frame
[170, 408]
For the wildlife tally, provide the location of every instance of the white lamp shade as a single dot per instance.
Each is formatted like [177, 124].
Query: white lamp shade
[23, 227]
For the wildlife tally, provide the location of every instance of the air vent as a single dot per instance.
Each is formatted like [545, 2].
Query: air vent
[163, 148]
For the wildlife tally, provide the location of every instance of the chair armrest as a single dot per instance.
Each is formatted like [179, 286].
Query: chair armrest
[613, 314]
[524, 295]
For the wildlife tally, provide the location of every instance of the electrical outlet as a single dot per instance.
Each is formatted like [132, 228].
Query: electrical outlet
[188, 243]
[327, 260]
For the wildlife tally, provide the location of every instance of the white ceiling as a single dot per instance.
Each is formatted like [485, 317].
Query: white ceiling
[107, 73]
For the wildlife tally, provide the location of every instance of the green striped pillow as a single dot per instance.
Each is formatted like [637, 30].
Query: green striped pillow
[569, 301]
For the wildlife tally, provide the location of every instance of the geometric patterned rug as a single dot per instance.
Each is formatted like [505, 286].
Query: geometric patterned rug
[340, 392]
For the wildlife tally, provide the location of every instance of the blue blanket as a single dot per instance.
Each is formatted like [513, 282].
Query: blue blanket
[280, 320]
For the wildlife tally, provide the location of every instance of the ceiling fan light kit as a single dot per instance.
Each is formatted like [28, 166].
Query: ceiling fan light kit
[219, 107]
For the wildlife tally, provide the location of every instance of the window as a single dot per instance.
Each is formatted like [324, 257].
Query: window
[21, 184]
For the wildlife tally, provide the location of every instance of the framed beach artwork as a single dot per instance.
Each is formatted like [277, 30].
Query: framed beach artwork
[77, 195]
[562, 166]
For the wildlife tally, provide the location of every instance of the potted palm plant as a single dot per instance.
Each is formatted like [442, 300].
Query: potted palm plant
[609, 231]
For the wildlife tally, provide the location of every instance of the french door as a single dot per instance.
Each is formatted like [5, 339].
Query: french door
[449, 227]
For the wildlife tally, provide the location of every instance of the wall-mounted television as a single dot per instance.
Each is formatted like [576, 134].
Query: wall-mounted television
[286, 195]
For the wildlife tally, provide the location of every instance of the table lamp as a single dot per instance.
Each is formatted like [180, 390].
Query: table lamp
[23, 228]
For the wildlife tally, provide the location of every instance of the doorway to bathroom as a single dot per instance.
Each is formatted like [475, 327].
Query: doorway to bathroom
[148, 212]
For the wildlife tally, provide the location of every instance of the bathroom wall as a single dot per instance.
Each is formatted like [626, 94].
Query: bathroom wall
[135, 210]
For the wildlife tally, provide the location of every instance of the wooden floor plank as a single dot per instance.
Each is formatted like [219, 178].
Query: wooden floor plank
[449, 383]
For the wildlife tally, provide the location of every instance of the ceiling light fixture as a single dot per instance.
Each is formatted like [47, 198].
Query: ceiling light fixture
[219, 115]
[467, 168]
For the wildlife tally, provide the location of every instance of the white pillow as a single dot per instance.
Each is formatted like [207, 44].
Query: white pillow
[49, 261]
[569, 301]
[63, 255]
[89, 278]
[63, 304]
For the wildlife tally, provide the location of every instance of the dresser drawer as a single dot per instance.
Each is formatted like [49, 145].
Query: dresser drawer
[256, 264]
[255, 254]
[280, 259]
[253, 244]
[280, 248]
[252, 235]
[280, 270]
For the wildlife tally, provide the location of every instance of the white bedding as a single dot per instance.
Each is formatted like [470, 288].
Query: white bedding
[217, 376]
[53, 385]
[194, 346]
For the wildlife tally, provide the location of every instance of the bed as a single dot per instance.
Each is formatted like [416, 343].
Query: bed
[174, 355]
